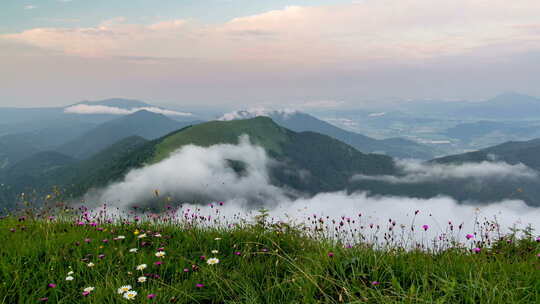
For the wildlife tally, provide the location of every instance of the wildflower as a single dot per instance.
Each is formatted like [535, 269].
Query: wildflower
[375, 283]
[151, 296]
[124, 289]
[120, 237]
[70, 273]
[186, 270]
[69, 278]
[217, 239]
[133, 250]
[43, 299]
[105, 241]
[141, 279]
[101, 256]
[157, 235]
[477, 250]
[142, 236]
[141, 267]
[538, 239]
[87, 291]
[90, 264]
[136, 232]
[199, 285]
[160, 254]
[425, 227]
[158, 263]
[212, 261]
[469, 236]
[130, 295]
[238, 253]
[202, 257]
[87, 240]
[51, 285]
[215, 251]
[330, 254]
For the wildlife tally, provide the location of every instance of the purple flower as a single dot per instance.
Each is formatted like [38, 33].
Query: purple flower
[101, 256]
[52, 285]
[477, 250]
[85, 293]
[158, 263]
[331, 254]
[87, 240]
[202, 257]
[186, 270]
[469, 236]
[375, 283]
[199, 285]
[105, 241]
[238, 253]
[538, 239]
[151, 296]
[12, 229]
[425, 227]
[43, 299]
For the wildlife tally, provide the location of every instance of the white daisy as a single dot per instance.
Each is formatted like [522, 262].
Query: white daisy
[217, 239]
[123, 289]
[157, 235]
[120, 237]
[212, 261]
[141, 267]
[160, 254]
[70, 273]
[141, 279]
[89, 289]
[69, 278]
[142, 236]
[90, 264]
[130, 295]
[133, 250]
[215, 251]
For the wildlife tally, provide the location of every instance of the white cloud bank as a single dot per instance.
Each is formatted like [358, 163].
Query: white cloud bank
[419, 172]
[365, 31]
[202, 174]
[100, 109]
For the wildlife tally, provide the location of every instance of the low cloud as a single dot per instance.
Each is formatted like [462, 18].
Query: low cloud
[419, 172]
[256, 112]
[99, 109]
[195, 176]
[199, 174]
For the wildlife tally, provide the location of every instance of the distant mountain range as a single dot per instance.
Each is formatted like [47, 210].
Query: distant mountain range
[142, 123]
[301, 122]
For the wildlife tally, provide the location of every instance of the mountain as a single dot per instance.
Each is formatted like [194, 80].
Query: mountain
[513, 152]
[302, 122]
[330, 163]
[14, 149]
[142, 123]
[308, 162]
[504, 106]
[42, 171]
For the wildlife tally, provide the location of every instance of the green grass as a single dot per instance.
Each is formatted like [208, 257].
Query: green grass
[277, 264]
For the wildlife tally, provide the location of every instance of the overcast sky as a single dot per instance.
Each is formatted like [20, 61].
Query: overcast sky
[266, 52]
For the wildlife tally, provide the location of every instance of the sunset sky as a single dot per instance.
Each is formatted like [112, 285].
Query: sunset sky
[236, 53]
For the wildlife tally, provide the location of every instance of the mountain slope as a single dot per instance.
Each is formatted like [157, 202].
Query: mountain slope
[142, 123]
[301, 122]
[14, 149]
[513, 152]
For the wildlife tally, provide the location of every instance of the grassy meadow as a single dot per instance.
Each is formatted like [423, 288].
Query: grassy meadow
[82, 256]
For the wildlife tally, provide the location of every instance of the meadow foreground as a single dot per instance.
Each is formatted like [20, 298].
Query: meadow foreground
[154, 259]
